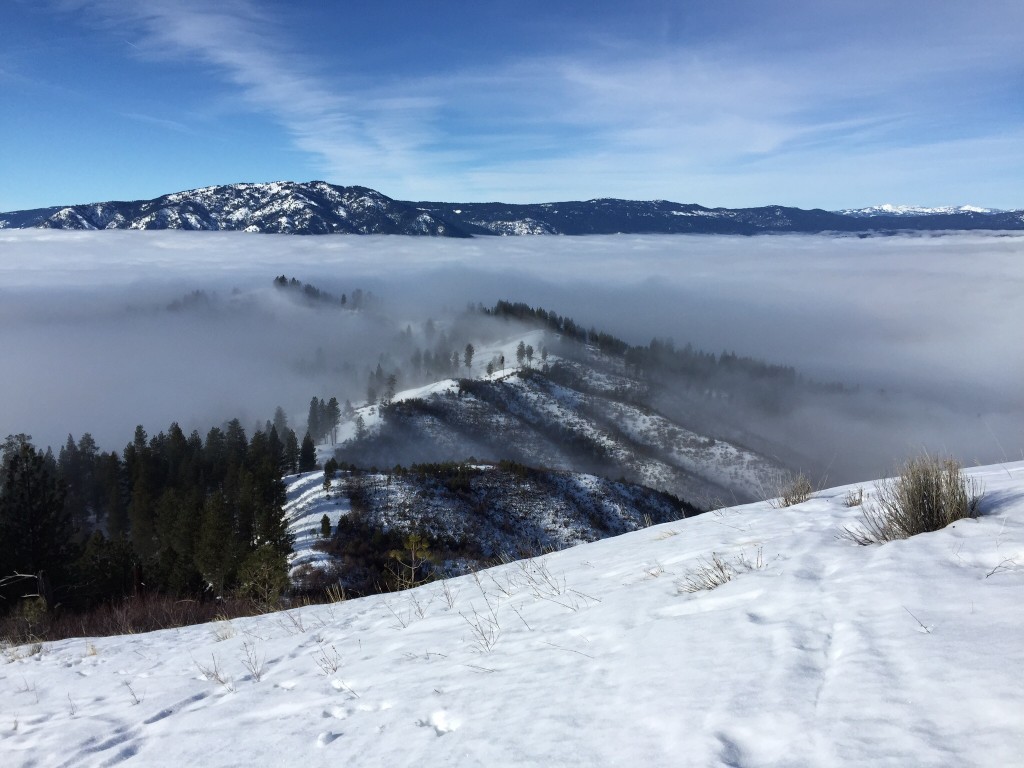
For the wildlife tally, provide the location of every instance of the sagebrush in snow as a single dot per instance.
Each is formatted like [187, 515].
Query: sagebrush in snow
[794, 489]
[928, 495]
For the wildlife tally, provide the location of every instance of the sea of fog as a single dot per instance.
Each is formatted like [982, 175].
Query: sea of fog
[927, 325]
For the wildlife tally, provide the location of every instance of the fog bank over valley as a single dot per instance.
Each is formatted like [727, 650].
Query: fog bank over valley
[101, 331]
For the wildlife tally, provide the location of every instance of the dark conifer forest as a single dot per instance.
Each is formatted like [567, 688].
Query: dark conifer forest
[174, 516]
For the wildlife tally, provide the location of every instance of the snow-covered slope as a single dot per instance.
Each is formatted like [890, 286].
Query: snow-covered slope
[581, 413]
[469, 514]
[903, 654]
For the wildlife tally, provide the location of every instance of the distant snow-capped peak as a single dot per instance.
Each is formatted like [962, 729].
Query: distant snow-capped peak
[888, 209]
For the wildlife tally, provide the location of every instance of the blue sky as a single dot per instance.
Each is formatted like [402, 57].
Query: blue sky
[737, 103]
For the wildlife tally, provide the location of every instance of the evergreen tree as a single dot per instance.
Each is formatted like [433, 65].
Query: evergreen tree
[291, 451]
[307, 454]
[92, 492]
[325, 527]
[142, 501]
[236, 443]
[70, 465]
[35, 527]
[521, 352]
[280, 420]
[276, 449]
[216, 551]
[333, 418]
[468, 358]
[313, 420]
[111, 478]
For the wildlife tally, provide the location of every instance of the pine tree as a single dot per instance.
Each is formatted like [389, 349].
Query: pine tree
[142, 503]
[70, 465]
[291, 451]
[216, 551]
[313, 420]
[112, 481]
[468, 358]
[307, 454]
[35, 528]
[333, 418]
[325, 527]
[280, 421]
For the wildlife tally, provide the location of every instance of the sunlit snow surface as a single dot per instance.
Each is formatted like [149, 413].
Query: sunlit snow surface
[831, 654]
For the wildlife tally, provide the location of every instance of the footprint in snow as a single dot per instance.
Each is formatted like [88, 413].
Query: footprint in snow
[326, 737]
[441, 721]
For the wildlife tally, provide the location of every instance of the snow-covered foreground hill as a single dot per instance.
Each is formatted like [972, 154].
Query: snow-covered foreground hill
[908, 653]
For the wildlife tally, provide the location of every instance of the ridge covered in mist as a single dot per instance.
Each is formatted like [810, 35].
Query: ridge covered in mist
[112, 329]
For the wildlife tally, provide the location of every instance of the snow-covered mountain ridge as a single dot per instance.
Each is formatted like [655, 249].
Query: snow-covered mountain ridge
[887, 209]
[817, 652]
[318, 207]
[580, 410]
[279, 207]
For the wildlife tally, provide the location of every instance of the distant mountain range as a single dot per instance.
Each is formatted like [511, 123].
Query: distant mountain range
[316, 207]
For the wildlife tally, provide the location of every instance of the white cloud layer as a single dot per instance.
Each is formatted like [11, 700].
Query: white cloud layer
[932, 320]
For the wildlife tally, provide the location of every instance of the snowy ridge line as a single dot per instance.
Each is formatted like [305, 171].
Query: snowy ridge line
[317, 207]
[578, 420]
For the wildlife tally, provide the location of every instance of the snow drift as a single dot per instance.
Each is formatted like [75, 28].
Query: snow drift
[818, 652]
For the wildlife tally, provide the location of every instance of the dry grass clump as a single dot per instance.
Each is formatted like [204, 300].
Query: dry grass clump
[794, 489]
[928, 495]
[709, 574]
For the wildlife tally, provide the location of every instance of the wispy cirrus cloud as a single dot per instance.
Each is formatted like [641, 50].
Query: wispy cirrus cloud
[350, 132]
[635, 118]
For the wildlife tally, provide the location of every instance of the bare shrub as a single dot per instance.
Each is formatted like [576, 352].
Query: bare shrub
[928, 495]
[854, 498]
[253, 660]
[715, 572]
[791, 489]
[214, 673]
[797, 490]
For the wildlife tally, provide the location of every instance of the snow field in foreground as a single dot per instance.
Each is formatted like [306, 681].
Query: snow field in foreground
[830, 654]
